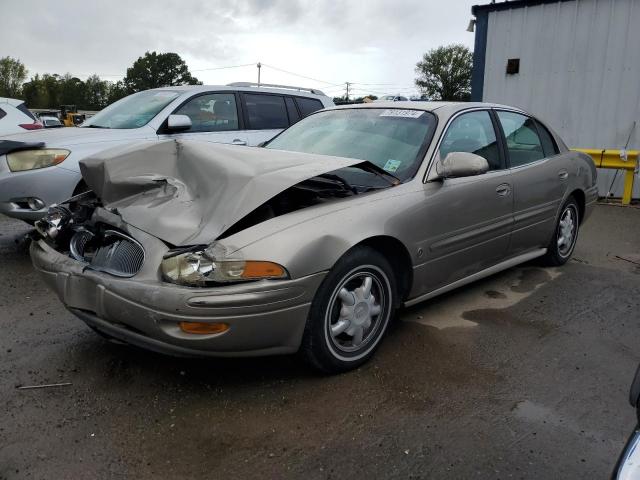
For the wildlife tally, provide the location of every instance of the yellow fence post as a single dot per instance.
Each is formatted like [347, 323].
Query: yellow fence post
[629, 176]
[618, 160]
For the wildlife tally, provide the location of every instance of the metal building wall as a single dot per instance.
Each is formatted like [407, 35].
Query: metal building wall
[579, 71]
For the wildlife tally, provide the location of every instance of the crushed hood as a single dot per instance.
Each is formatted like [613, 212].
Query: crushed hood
[189, 192]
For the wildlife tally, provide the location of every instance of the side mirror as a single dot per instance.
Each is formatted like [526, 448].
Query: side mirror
[176, 123]
[459, 164]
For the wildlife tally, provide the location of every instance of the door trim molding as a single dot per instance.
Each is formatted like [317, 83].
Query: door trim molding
[512, 262]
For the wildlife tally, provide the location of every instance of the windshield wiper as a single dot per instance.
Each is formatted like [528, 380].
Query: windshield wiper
[94, 126]
[328, 184]
[371, 167]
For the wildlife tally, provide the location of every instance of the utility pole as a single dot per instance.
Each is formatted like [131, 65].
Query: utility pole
[347, 90]
[259, 65]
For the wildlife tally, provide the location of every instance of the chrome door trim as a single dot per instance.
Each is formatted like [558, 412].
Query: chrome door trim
[512, 262]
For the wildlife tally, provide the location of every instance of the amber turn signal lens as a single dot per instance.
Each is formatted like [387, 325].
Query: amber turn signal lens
[203, 328]
[253, 269]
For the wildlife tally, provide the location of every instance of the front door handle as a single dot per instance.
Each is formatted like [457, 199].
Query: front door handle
[237, 141]
[503, 189]
[563, 174]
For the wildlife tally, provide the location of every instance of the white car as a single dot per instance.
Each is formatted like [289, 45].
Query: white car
[15, 117]
[51, 122]
[392, 98]
[44, 169]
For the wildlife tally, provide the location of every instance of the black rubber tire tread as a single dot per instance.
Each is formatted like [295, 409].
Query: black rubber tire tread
[553, 258]
[314, 349]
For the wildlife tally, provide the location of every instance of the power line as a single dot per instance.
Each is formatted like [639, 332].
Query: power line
[380, 84]
[301, 76]
[224, 68]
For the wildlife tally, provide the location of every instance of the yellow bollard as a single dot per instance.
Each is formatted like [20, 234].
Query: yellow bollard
[626, 160]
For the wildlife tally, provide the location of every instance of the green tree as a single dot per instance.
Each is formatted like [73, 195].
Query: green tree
[444, 73]
[41, 91]
[13, 73]
[155, 70]
[117, 91]
[72, 91]
[96, 93]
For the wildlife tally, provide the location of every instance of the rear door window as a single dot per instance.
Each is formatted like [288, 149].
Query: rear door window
[265, 112]
[523, 143]
[308, 105]
[2, 113]
[549, 145]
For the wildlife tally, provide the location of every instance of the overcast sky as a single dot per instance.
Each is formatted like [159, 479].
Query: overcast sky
[366, 42]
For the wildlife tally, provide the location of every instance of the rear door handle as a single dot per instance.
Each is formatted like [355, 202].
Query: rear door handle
[237, 141]
[563, 174]
[503, 189]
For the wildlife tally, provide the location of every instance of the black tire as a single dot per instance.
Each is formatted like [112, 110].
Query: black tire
[558, 252]
[343, 348]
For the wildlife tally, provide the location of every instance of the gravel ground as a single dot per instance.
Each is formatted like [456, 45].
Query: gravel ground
[522, 375]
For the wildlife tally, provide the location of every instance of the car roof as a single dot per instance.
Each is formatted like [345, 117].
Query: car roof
[11, 101]
[295, 91]
[447, 108]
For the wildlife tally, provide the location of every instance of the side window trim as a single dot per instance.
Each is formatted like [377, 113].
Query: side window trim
[539, 127]
[502, 144]
[434, 153]
[502, 140]
[162, 130]
[287, 99]
[496, 132]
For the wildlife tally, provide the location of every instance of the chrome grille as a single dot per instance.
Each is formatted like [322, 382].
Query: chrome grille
[114, 252]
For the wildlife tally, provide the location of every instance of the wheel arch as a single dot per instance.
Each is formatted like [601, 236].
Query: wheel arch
[398, 255]
[580, 198]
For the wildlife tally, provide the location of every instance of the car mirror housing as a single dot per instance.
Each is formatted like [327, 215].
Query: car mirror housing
[178, 122]
[459, 164]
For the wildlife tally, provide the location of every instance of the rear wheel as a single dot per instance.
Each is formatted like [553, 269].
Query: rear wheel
[350, 312]
[564, 239]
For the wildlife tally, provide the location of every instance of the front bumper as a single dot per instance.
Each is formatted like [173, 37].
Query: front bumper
[266, 317]
[51, 185]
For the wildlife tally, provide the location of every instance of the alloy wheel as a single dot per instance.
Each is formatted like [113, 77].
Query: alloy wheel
[567, 230]
[357, 311]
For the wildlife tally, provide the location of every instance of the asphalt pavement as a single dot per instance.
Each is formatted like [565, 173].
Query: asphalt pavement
[522, 375]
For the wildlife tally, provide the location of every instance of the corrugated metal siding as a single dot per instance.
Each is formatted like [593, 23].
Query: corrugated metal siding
[579, 71]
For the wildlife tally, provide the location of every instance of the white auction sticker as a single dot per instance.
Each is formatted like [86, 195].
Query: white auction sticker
[402, 113]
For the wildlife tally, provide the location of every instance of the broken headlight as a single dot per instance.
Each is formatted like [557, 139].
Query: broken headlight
[200, 267]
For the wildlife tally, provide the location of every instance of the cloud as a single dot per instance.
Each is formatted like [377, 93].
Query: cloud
[362, 41]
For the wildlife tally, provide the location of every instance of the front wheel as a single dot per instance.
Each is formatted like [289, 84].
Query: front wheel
[566, 234]
[350, 312]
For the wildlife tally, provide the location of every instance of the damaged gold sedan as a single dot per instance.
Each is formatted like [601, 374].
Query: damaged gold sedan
[313, 242]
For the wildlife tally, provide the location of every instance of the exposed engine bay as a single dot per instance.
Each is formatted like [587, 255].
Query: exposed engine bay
[70, 229]
[73, 229]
